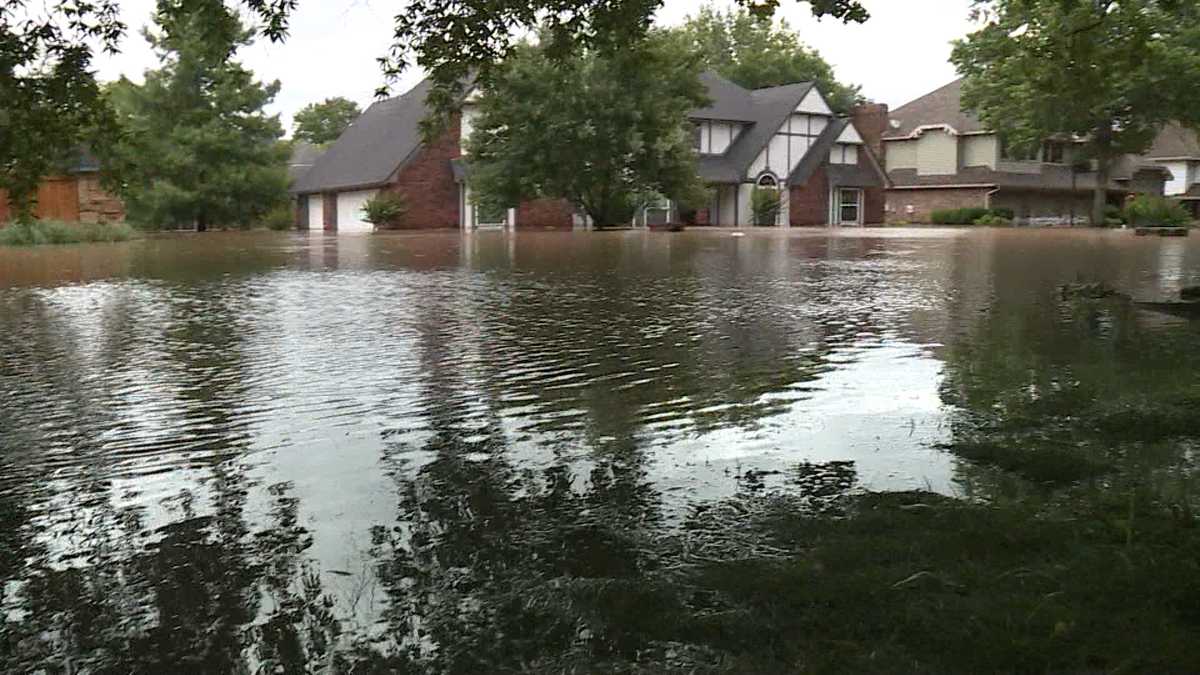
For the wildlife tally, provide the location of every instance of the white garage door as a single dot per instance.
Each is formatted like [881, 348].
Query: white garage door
[350, 216]
[315, 212]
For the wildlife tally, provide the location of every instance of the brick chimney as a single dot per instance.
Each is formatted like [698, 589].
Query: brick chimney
[871, 120]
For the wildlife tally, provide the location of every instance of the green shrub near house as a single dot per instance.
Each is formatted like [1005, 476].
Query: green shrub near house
[386, 209]
[972, 216]
[39, 232]
[1147, 211]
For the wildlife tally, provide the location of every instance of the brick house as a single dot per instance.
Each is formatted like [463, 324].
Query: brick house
[72, 195]
[939, 156]
[825, 167]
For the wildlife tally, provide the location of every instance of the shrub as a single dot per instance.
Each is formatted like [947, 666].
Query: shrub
[1147, 211]
[992, 219]
[968, 216]
[386, 209]
[765, 203]
[280, 218]
[40, 232]
[1113, 215]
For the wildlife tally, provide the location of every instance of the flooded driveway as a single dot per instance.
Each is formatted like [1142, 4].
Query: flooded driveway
[272, 453]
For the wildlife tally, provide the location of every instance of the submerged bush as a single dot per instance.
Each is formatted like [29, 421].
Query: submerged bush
[1147, 211]
[765, 203]
[386, 209]
[41, 232]
[280, 218]
[971, 216]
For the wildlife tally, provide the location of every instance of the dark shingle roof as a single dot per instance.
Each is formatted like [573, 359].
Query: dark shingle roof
[1051, 177]
[729, 101]
[1175, 141]
[819, 152]
[304, 156]
[378, 143]
[941, 106]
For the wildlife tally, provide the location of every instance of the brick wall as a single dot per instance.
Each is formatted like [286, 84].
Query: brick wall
[95, 203]
[545, 214]
[871, 120]
[914, 206]
[427, 183]
[809, 203]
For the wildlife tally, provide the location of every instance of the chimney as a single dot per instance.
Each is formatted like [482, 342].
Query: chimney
[871, 120]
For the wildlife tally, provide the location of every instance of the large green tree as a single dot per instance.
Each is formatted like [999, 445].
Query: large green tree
[323, 122]
[1108, 73]
[755, 52]
[196, 146]
[603, 131]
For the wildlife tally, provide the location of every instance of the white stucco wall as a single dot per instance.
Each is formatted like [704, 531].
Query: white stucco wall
[316, 206]
[1178, 183]
[350, 217]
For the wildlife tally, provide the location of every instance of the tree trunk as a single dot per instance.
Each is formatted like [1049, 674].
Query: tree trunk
[202, 222]
[1100, 193]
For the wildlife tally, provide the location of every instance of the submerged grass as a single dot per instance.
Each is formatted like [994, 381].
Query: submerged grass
[40, 232]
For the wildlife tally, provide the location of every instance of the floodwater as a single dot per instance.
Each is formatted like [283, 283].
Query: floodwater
[291, 452]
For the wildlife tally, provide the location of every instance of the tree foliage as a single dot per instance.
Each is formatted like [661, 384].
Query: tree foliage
[1109, 73]
[321, 123]
[196, 146]
[602, 131]
[755, 52]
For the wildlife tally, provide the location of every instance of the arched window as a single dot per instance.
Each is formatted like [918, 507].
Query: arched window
[768, 180]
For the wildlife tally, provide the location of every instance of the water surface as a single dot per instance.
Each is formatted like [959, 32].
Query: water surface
[247, 450]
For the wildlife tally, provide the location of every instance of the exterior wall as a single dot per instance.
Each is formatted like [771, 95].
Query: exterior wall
[329, 211]
[1180, 177]
[810, 202]
[96, 205]
[937, 153]
[726, 203]
[788, 146]
[901, 154]
[745, 210]
[1148, 183]
[1043, 207]
[716, 137]
[316, 215]
[428, 186]
[545, 214]
[349, 215]
[871, 120]
[914, 206]
[980, 150]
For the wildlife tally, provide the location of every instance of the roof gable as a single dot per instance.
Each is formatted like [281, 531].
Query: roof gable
[1175, 141]
[372, 148]
[941, 107]
[850, 135]
[814, 103]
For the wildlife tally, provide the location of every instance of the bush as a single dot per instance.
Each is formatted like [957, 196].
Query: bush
[385, 209]
[41, 232]
[992, 219]
[1147, 211]
[280, 218]
[970, 216]
[1113, 215]
[764, 204]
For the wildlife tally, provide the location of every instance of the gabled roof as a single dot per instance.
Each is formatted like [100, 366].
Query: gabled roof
[304, 156]
[848, 175]
[940, 107]
[373, 148]
[1175, 142]
[766, 110]
[730, 102]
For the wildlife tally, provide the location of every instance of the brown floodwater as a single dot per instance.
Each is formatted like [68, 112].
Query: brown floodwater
[221, 452]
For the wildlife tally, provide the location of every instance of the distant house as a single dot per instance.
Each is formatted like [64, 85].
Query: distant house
[787, 138]
[939, 156]
[1178, 149]
[74, 194]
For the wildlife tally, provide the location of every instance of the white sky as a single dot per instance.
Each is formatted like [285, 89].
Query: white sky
[900, 54]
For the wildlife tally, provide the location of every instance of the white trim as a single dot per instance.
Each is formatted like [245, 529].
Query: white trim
[850, 135]
[814, 103]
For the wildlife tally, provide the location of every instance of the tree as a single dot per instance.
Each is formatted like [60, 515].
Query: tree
[1105, 73]
[321, 123]
[754, 52]
[196, 146]
[603, 131]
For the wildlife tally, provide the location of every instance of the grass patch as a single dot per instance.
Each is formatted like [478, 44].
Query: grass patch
[1042, 464]
[41, 232]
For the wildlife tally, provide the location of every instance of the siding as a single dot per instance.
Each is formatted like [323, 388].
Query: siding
[901, 155]
[982, 150]
[937, 154]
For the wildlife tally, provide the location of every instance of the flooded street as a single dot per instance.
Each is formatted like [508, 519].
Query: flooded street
[284, 453]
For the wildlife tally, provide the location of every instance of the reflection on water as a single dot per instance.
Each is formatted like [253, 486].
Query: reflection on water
[289, 453]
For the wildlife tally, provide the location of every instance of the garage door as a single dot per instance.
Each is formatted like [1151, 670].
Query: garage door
[350, 216]
[315, 212]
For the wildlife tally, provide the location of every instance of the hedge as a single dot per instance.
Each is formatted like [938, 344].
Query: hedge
[968, 216]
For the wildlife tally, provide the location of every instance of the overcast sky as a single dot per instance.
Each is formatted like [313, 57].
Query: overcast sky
[901, 53]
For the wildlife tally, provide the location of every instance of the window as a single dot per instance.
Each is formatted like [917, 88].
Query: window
[768, 180]
[849, 205]
[1054, 152]
[698, 137]
[843, 153]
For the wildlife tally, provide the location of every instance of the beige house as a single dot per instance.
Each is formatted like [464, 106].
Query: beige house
[941, 157]
[1178, 149]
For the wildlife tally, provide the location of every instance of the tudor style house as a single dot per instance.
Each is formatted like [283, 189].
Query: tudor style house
[1178, 149]
[939, 156]
[826, 167]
